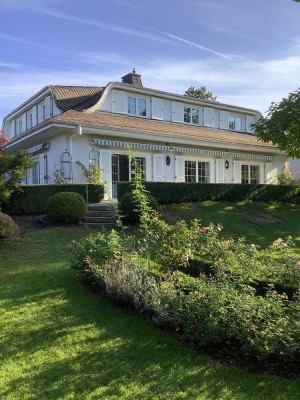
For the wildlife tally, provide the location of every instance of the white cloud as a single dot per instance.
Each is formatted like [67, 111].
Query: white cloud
[12, 6]
[10, 65]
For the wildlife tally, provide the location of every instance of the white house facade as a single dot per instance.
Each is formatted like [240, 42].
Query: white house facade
[175, 138]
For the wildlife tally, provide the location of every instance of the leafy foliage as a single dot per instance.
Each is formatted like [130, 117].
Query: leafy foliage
[8, 228]
[128, 207]
[200, 93]
[285, 177]
[93, 174]
[281, 126]
[68, 207]
[13, 168]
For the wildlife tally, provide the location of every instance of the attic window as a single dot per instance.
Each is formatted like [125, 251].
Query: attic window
[235, 123]
[136, 106]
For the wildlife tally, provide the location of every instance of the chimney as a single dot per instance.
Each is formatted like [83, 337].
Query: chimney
[132, 78]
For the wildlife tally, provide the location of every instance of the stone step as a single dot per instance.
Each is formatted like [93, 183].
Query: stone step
[101, 207]
[100, 220]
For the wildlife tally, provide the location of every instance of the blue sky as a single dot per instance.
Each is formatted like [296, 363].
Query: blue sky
[247, 52]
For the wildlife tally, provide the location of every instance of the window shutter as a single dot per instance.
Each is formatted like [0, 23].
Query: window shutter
[118, 101]
[157, 108]
[158, 170]
[24, 119]
[237, 172]
[177, 112]
[224, 117]
[268, 173]
[33, 116]
[208, 116]
[105, 165]
[249, 121]
[212, 174]
[41, 169]
[179, 169]
[12, 129]
[48, 105]
[220, 171]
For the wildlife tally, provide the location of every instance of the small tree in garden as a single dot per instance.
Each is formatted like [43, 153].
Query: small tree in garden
[13, 168]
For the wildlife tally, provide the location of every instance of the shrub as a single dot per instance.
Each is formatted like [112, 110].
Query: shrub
[8, 228]
[129, 207]
[285, 177]
[172, 193]
[68, 207]
[32, 199]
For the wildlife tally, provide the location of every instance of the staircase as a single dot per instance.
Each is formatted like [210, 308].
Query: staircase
[101, 215]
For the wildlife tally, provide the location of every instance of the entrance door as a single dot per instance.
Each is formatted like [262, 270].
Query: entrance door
[115, 174]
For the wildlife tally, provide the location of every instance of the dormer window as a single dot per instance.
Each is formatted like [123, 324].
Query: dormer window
[30, 120]
[191, 115]
[44, 111]
[137, 106]
[235, 123]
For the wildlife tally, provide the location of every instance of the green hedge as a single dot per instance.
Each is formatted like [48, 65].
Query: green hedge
[170, 192]
[32, 199]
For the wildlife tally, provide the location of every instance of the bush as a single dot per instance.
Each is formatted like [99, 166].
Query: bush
[8, 228]
[68, 207]
[128, 207]
[170, 192]
[32, 199]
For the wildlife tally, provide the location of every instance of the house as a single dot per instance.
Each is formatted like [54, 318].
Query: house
[174, 138]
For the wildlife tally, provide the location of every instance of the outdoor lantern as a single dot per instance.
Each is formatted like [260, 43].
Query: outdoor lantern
[168, 160]
[226, 164]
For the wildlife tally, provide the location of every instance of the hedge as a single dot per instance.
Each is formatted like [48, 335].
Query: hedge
[32, 199]
[170, 192]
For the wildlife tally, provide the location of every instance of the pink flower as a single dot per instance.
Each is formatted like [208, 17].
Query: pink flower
[298, 264]
[204, 229]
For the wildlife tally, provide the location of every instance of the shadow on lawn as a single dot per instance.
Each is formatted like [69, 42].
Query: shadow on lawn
[79, 345]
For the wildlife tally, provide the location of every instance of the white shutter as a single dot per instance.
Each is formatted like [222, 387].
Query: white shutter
[33, 116]
[177, 111]
[208, 116]
[220, 171]
[179, 169]
[157, 108]
[158, 169]
[23, 122]
[105, 165]
[48, 106]
[212, 173]
[224, 118]
[237, 172]
[249, 121]
[268, 173]
[118, 101]
[41, 169]
[12, 129]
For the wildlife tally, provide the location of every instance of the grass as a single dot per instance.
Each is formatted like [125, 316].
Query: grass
[60, 341]
[260, 223]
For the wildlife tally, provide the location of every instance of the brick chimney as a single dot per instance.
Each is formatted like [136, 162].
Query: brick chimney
[132, 78]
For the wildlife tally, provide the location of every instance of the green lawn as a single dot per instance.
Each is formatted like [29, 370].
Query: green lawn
[60, 341]
[260, 223]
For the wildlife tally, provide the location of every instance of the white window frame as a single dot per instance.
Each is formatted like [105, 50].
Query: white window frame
[144, 173]
[249, 174]
[136, 108]
[19, 125]
[43, 108]
[191, 109]
[30, 120]
[36, 167]
[197, 160]
[234, 116]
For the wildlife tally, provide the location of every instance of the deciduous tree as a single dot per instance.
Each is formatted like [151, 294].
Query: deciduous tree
[281, 126]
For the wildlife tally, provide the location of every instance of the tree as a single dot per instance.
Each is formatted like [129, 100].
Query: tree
[200, 93]
[281, 126]
[13, 168]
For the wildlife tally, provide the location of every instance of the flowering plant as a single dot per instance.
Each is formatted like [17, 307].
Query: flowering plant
[3, 140]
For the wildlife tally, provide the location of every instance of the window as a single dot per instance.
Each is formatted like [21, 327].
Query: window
[140, 164]
[197, 171]
[136, 106]
[250, 173]
[235, 123]
[191, 115]
[203, 172]
[19, 126]
[35, 173]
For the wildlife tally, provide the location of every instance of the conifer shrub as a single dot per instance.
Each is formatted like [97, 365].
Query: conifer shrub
[66, 207]
[8, 228]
